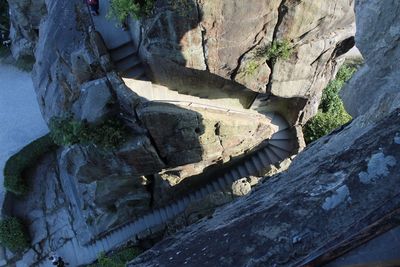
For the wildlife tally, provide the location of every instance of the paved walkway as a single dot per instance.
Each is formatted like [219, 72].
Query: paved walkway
[20, 119]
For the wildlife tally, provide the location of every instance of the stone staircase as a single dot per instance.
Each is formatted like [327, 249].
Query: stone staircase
[155, 92]
[127, 61]
[280, 146]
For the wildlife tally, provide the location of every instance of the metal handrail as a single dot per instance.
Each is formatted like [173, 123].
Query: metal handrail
[90, 14]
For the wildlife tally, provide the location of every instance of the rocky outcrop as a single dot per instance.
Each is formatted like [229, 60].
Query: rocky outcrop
[214, 41]
[25, 19]
[345, 178]
[378, 39]
[325, 192]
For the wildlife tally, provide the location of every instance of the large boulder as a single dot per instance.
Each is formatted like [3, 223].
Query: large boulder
[219, 39]
[378, 35]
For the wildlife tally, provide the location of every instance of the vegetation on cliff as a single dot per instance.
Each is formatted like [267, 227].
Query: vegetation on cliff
[27, 157]
[278, 49]
[122, 9]
[118, 259]
[108, 135]
[13, 234]
[331, 113]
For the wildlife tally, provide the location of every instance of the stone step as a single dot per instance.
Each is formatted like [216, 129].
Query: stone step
[216, 186]
[186, 200]
[123, 51]
[210, 189]
[283, 134]
[228, 178]
[285, 145]
[262, 155]
[134, 73]
[280, 153]
[250, 167]
[271, 155]
[235, 173]
[169, 211]
[181, 205]
[203, 192]
[146, 221]
[120, 45]
[222, 183]
[157, 216]
[242, 171]
[280, 122]
[257, 162]
[127, 63]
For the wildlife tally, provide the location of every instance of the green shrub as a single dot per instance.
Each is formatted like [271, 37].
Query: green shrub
[13, 234]
[250, 68]
[108, 135]
[331, 113]
[330, 100]
[323, 123]
[279, 49]
[122, 9]
[25, 158]
[118, 259]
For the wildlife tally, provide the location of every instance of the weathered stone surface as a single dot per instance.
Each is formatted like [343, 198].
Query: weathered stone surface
[64, 57]
[95, 101]
[241, 187]
[25, 19]
[201, 137]
[321, 194]
[331, 185]
[222, 39]
[378, 35]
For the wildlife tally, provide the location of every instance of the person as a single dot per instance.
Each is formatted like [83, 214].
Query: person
[56, 260]
[94, 6]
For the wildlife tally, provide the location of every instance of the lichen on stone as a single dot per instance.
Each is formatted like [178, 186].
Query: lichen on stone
[378, 167]
[341, 194]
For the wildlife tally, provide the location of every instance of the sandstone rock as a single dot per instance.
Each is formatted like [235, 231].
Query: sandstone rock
[241, 187]
[197, 137]
[349, 175]
[95, 101]
[25, 19]
[377, 38]
[212, 39]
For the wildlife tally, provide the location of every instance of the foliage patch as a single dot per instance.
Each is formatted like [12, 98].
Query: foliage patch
[67, 131]
[27, 157]
[279, 49]
[331, 113]
[118, 259]
[122, 9]
[13, 234]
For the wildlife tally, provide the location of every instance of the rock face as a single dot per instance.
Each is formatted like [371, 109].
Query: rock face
[377, 38]
[25, 19]
[213, 39]
[350, 175]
